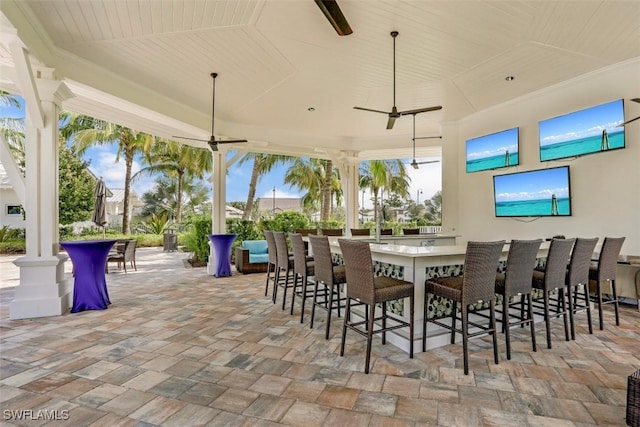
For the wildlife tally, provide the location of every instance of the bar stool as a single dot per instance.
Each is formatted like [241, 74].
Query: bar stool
[273, 261]
[303, 268]
[577, 277]
[476, 284]
[516, 281]
[553, 281]
[364, 288]
[605, 271]
[327, 275]
[284, 264]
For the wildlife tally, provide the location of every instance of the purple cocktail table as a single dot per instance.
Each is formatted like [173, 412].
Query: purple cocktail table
[222, 248]
[89, 258]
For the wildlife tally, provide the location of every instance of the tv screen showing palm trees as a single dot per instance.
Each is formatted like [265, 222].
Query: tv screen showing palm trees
[542, 192]
[497, 150]
[583, 132]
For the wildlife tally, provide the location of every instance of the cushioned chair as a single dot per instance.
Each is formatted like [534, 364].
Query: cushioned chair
[252, 256]
[516, 282]
[476, 284]
[363, 287]
[127, 255]
[410, 231]
[303, 268]
[605, 271]
[329, 277]
[284, 268]
[552, 281]
[360, 232]
[331, 232]
[578, 279]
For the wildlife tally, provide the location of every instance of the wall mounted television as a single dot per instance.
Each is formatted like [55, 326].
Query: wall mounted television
[587, 131]
[497, 150]
[541, 192]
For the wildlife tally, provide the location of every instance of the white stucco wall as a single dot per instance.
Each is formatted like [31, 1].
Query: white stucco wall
[8, 197]
[605, 187]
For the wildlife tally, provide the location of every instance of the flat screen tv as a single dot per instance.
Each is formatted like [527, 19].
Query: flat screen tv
[587, 131]
[497, 150]
[541, 192]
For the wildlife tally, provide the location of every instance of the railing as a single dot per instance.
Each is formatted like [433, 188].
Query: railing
[430, 229]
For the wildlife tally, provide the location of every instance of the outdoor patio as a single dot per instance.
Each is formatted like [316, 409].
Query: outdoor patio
[179, 347]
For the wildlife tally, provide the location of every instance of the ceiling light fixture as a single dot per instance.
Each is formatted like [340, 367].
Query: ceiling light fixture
[509, 78]
[311, 109]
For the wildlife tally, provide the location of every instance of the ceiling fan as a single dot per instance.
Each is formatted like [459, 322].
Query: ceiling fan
[213, 143]
[394, 113]
[634, 119]
[414, 163]
[334, 15]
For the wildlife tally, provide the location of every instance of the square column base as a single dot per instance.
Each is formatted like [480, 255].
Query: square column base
[43, 290]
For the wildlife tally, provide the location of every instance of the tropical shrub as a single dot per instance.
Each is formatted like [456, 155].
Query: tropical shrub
[196, 240]
[158, 224]
[287, 221]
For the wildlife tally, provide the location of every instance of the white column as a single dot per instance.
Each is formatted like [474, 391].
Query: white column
[450, 188]
[43, 289]
[218, 212]
[350, 191]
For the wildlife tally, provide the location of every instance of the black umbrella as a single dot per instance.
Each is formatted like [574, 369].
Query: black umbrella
[100, 208]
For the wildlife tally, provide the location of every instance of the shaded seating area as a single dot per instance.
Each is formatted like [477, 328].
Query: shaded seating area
[125, 252]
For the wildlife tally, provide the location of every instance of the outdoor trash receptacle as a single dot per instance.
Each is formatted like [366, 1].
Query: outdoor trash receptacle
[170, 243]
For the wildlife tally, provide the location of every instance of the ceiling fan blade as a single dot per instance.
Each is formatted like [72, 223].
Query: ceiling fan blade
[635, 99]
[421, 110]
[414, 164]
[628, 121]
[426, 162]
[190, 139]
[231, 141]
[333, 13]
[369, 109]
[391, 122]
[428, 137]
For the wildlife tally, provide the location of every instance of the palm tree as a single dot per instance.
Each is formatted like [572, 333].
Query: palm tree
[262, 164]
[177, 161]
[319, 181]
[12, 128]
[130, 142]
[390, 174]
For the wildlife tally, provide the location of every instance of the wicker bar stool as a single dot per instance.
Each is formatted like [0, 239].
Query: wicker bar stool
[577, 278]
[284, 265]
[273, 261]
[364, 288]
[476, 284]
[516, 281]
[303, 268]
[553, 281]
[329, 277]
[605, 271]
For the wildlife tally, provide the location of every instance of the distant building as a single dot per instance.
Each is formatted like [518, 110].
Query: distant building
[11, 214]
[232, 212]
[270, 205]
[115, 206]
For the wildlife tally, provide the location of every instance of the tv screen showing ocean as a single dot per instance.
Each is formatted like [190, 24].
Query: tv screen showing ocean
[581, 146]
[540, 207]
[493, 162]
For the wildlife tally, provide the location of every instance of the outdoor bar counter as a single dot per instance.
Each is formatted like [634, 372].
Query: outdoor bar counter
[416, 264]
[412, 239]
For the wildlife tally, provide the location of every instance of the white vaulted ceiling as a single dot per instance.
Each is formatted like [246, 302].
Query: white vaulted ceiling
[146, 63]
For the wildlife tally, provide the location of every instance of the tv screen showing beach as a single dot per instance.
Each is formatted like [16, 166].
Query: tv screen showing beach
[542, 192]
[494, 151]
[592, 130]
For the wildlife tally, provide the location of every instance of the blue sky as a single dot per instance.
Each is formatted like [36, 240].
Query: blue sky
[492, 145]
[427, 179]
[583, 123]
[532, 185]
